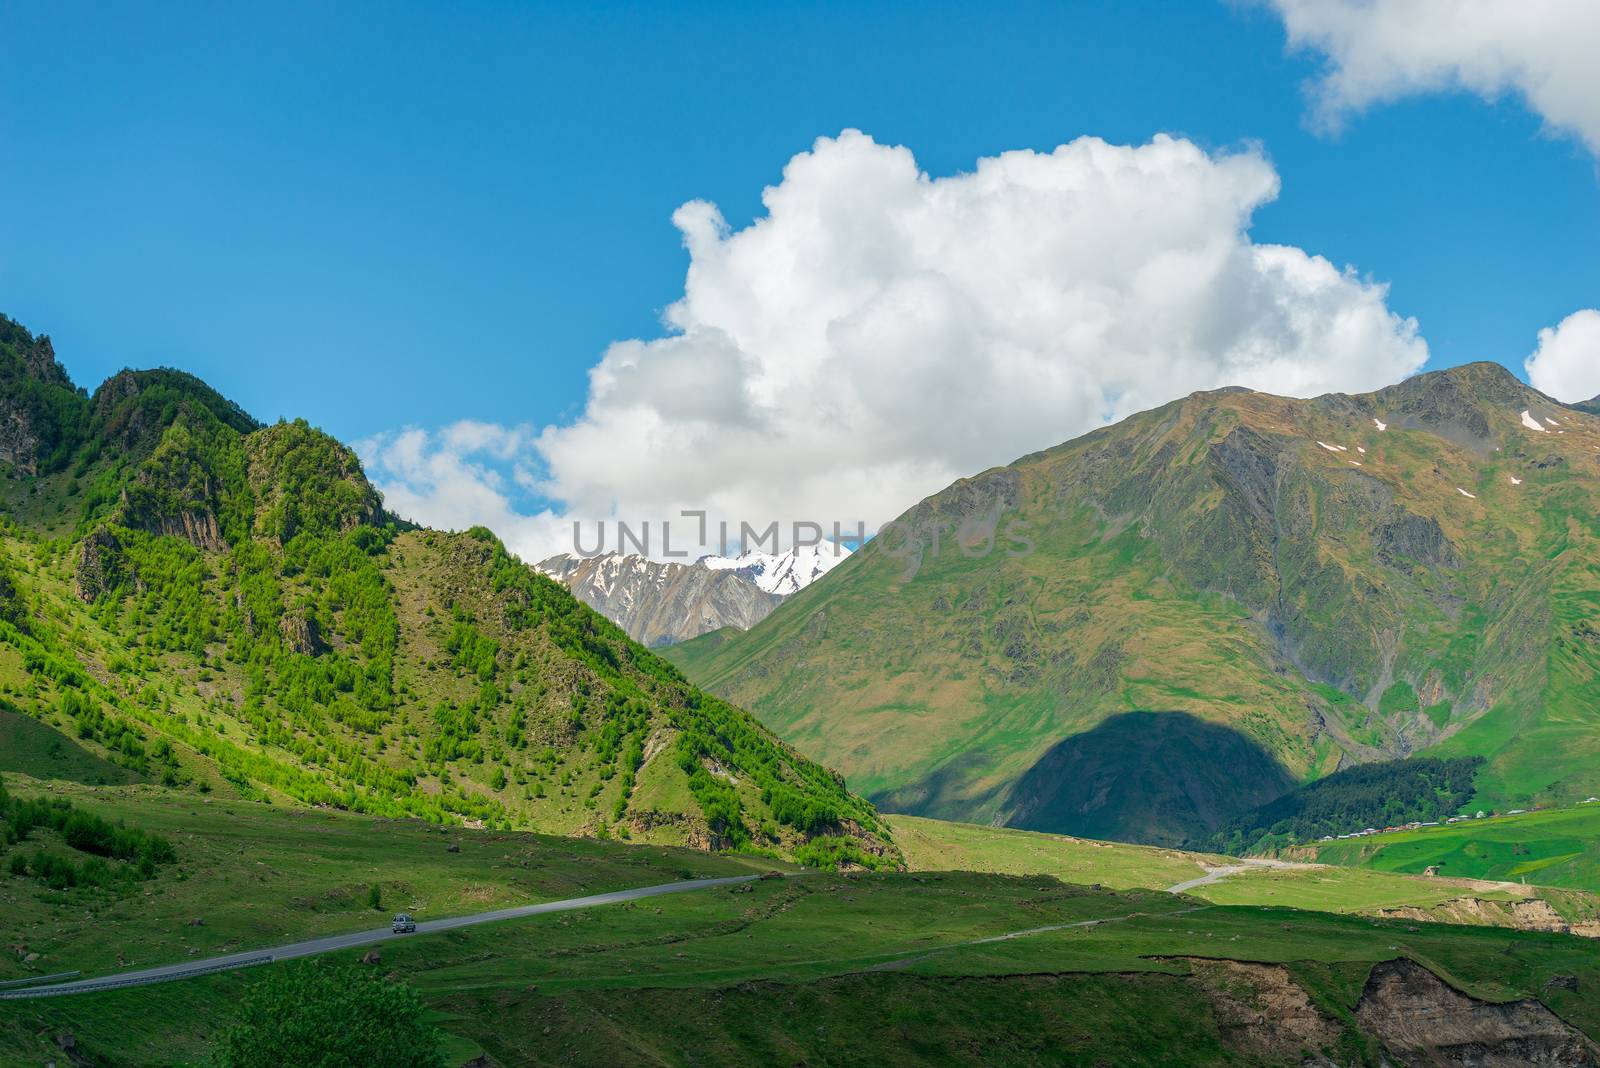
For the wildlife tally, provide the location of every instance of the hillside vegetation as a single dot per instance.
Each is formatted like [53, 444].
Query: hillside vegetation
[1368, 796]
[220, 606]
[1086, 640]
[1557, 847]
[935, 845]
[258, 875]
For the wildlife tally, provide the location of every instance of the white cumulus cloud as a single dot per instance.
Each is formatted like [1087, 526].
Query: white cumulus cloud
[878, 332]
[454, 479]
[1567, 363]
[1543, 51]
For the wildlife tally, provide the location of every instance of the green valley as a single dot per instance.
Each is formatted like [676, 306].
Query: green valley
[571, 535]
[924, 966]
[243, 706]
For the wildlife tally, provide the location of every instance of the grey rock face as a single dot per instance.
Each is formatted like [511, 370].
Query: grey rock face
[25, 430]
[662, 603]
[1424, 1022]
[100, 565]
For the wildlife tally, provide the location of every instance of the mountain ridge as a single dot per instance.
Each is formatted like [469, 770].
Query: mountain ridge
[225, 606]
[660, 602]
[1337, 579]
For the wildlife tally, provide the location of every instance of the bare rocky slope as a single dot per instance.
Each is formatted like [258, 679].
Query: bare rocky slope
[659, 602]
[662, 602]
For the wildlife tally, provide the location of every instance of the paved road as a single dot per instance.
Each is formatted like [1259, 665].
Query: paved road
[189, 969]
[1214, 875]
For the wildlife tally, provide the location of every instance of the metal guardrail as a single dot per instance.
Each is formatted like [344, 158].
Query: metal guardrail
[33, 980]
[112, 982]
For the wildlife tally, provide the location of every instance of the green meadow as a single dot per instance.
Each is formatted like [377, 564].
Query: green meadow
[757, 972]
[1558, 847]
[1011, 963]
[1327, 887]
[250, 874]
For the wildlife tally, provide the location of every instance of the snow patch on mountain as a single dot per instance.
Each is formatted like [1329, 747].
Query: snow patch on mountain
[660, 602]
[782, 573]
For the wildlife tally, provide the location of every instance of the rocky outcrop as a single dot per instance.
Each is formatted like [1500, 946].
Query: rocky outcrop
[67, 1043]
[1264, 1013]
[40, 411]
[1424, 1022]
[100, 567]
[1402, 536]
[301, 634]
[247, 615]
[1534, 914]
[19, 440]
[1417, 1019]
[198, 526]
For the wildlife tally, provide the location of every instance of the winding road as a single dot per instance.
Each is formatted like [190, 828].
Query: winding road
[1216, 875]
[187, 969]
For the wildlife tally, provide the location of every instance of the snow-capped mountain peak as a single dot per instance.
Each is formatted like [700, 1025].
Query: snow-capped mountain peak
[782, 573]
[660, 602]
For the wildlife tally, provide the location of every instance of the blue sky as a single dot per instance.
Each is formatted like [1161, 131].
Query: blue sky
[390, 215]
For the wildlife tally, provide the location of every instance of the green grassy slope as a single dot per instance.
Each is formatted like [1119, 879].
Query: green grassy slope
[938, 845]
[819, 966]
[258, 875]
[935, 845]
[1424, 587]
[1558, 847]
[223, 606]
[30, 747]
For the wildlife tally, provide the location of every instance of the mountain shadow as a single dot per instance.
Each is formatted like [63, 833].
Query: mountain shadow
[30, 747]
[945, 793]
[1164, 778]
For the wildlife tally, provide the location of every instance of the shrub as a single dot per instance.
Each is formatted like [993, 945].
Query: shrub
[319, 1015]
[834, 852]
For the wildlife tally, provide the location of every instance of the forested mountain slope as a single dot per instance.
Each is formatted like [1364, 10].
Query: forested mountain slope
[222, 605]
[1147, 630]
